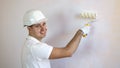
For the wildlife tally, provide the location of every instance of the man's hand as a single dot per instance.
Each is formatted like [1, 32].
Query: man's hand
[86, 29]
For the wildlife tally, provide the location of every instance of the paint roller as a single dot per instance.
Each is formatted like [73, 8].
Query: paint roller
[88, 17]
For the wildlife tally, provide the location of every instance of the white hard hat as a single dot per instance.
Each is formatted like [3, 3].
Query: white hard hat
[33, 17]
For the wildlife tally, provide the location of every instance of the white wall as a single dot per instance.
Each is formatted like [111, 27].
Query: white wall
[99, 50]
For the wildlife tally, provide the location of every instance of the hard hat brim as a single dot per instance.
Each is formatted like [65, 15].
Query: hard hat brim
[42, 20]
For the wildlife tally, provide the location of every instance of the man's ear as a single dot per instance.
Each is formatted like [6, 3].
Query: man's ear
[29, 28]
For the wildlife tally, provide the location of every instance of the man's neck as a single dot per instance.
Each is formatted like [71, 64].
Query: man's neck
[36, 37]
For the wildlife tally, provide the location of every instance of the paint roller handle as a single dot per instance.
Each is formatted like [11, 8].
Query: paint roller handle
[86, 29]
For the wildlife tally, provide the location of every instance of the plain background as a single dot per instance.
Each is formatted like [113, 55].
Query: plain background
[101, 49]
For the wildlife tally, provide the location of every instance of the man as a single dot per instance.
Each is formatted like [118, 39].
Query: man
[36, 54]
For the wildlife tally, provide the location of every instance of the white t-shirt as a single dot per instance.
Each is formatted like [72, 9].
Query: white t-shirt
[35, 54]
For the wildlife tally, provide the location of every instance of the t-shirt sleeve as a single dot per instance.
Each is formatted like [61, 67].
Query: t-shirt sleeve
[41, 51]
